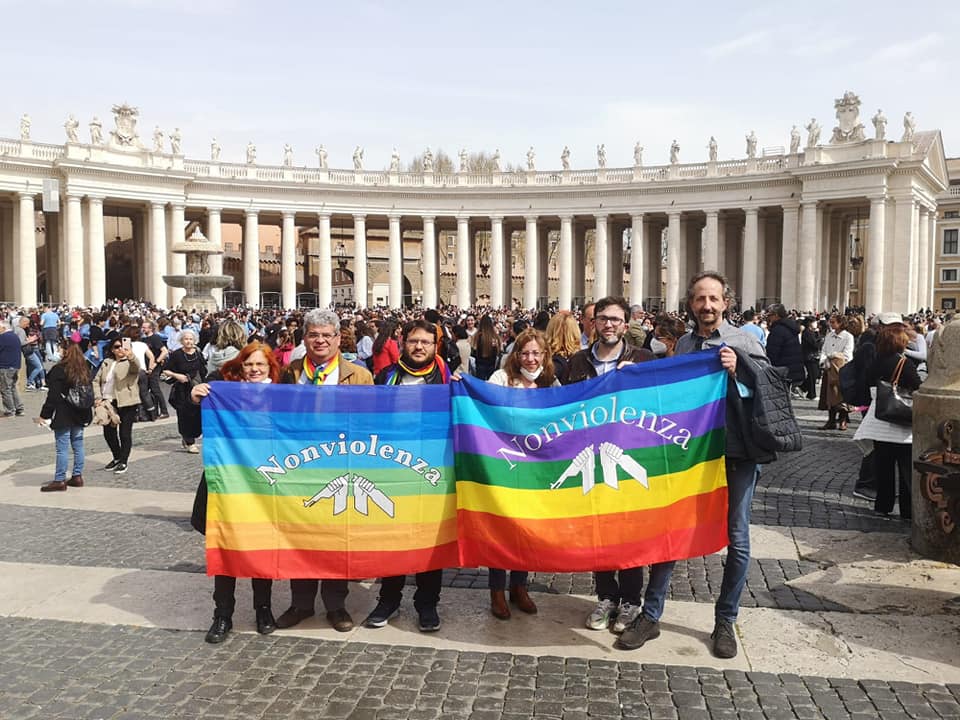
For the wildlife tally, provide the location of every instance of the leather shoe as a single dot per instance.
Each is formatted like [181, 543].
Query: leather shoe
[265, 622]
[293, 616]
[829, 426]
[521, 598]
[75, 481]
[54, 486]
[498, 605]
[340, 620]
[219, 630]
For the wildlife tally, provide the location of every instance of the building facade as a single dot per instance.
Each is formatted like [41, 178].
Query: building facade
[778, 225]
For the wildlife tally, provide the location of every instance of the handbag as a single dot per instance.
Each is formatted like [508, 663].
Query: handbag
[893, 404]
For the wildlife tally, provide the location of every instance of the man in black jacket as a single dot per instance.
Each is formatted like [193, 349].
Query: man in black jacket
[810, 347]
[783, 344]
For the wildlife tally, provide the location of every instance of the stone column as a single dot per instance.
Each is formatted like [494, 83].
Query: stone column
[762, 259]
[428, 253]
[788, 256]
[25, 275]
[157, 255]
[531, 264]
[215, 236]
[722, 246]
[395, 262]
[931, 257]
[96, 257]
[923, 260]
[711, 247]
[497, 263]
[874, 275]
[251, 258]
[176, 262]
[565, 264]
[360, 260]
[601, 254]
[580, 260]
[638, 259]
[673, 261]
[807, 255]
[324, 261]
[72, 252]
[748, 289]
[288, 261]
[464, 262]
[905, 265]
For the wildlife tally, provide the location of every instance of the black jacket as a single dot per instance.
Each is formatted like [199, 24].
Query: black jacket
[64, 415]
[580, 367]
[783, 348]
[760, 425]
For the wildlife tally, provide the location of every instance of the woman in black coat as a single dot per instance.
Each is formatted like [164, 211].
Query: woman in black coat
[186, 368]
[67, 421]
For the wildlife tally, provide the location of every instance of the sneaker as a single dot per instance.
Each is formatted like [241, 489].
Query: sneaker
[30, 388]
[381, 614]
[111, 465]
[429, 619]
[625, 617]
[724, 640]
[21, 413]
[640, 630]
[193, 449]
[602, 614]
[120, 469]
[865, 494]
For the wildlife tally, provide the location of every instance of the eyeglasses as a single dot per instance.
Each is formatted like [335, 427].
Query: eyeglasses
[321, 336]
[421, 343]
[607, 320]
[115, 347]
[531, 354]
[256, 365]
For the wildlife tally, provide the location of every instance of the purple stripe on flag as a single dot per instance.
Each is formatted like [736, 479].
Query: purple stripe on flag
[629, 436]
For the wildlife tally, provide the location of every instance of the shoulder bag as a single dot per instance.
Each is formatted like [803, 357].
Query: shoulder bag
[894, 405]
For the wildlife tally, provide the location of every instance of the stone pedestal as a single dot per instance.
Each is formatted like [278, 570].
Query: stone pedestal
[937, 400]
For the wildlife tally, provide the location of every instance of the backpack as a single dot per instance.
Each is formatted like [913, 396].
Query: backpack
[80, 396]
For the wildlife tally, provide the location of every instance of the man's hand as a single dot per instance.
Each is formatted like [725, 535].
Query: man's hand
[728, 359]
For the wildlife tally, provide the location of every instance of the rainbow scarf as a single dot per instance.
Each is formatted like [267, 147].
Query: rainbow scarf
[435, 373]
[314, 374]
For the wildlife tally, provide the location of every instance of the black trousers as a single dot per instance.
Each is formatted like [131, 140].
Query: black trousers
[303, 594]
[156, 391]
[890, 459]
[427, 594]
[224, 594]
[629, 589]
[120, 437]
[867, 479]
[810, 381]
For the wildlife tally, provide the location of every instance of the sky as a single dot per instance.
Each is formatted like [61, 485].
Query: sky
[480, 76]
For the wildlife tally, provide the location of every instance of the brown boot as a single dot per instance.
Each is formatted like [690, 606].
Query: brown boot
[498, 605]
[521, 598]
[60, 486]
[75, 481]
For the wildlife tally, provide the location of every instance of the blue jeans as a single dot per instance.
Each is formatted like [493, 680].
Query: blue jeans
[70, 437]
[497, 578]
[741, 482]
[35, 374]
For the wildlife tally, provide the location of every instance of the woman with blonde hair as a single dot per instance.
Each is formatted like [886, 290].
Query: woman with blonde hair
[231, 337]
[563, 340]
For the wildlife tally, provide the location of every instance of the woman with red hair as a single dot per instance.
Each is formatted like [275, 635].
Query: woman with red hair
[255, 363]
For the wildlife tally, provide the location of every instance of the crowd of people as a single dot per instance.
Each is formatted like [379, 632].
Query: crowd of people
[113, 367]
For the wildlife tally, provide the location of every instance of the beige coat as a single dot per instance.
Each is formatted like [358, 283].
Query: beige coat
[126, 388]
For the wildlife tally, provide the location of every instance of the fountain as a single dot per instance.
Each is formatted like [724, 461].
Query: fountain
[198, 282]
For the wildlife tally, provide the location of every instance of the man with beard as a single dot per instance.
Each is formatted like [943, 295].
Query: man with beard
[783, 345]
[323, 365]
[708, 297]
[419, 364]
[619, 597]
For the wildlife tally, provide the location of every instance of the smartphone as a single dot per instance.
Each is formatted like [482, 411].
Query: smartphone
[126, 344]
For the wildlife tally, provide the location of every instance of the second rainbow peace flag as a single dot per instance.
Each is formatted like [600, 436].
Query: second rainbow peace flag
[617, 472]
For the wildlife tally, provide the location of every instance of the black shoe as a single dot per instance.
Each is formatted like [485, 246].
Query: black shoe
[293, 616]
[219, 630]
[429, 619]
[340, 620]
[724, 640]
[265, 622]
[111, 465]
[381, 614]
[20, 413]
[865, 494]
[639, 631]
[120, 468]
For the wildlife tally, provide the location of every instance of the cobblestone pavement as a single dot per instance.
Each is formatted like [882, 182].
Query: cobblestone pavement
[54, 669]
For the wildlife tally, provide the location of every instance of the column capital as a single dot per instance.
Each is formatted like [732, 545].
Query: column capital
[601, 216]
[496, 218]
[566, 218]
[213, 211]
[360, 217]
[157, 204]
[251, 212]
[26, 194]
[178, 206]
[674, 213]
[637, 216]
[463, 219]
[752, 209]
[73, 197]
[790, 206]
[394, 217]
[95, 198]
[323, 214]
[428, 218]
[531, 218]
[285, 214]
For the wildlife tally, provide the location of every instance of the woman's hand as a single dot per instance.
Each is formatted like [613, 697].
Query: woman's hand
[199, 392]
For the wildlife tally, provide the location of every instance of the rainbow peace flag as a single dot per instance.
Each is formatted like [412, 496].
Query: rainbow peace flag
[621, 471]
[338, 482]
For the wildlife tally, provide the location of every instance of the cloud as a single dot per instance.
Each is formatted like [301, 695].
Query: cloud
[756, 40]
[908, 49]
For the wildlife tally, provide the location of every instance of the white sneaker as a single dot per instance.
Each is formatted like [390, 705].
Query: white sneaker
[627, 614]
[602, 614]
[193, 449]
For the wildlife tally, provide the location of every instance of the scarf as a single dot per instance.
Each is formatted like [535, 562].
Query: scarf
[434, 372]
[317, 376]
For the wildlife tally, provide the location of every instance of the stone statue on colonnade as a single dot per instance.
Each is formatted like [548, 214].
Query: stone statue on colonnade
[72, 125]
[322, 157]
[175, 139]
[125, 133]
[752, 144]
[464, 160]
[712, 148]
[813, 132]
[496, 160]
[565, 158]
[794, 140]
[427, 161]
[394, 161]
[287, 155]
[157, 139]
[638, 155]
[849, 128]
[214, 150]
[909, 127]
[358, 158]
[25, 125]
[601, 155]
[531, 159]
[251, 153]
[880, 125]
[96, 131]
[674, 152]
